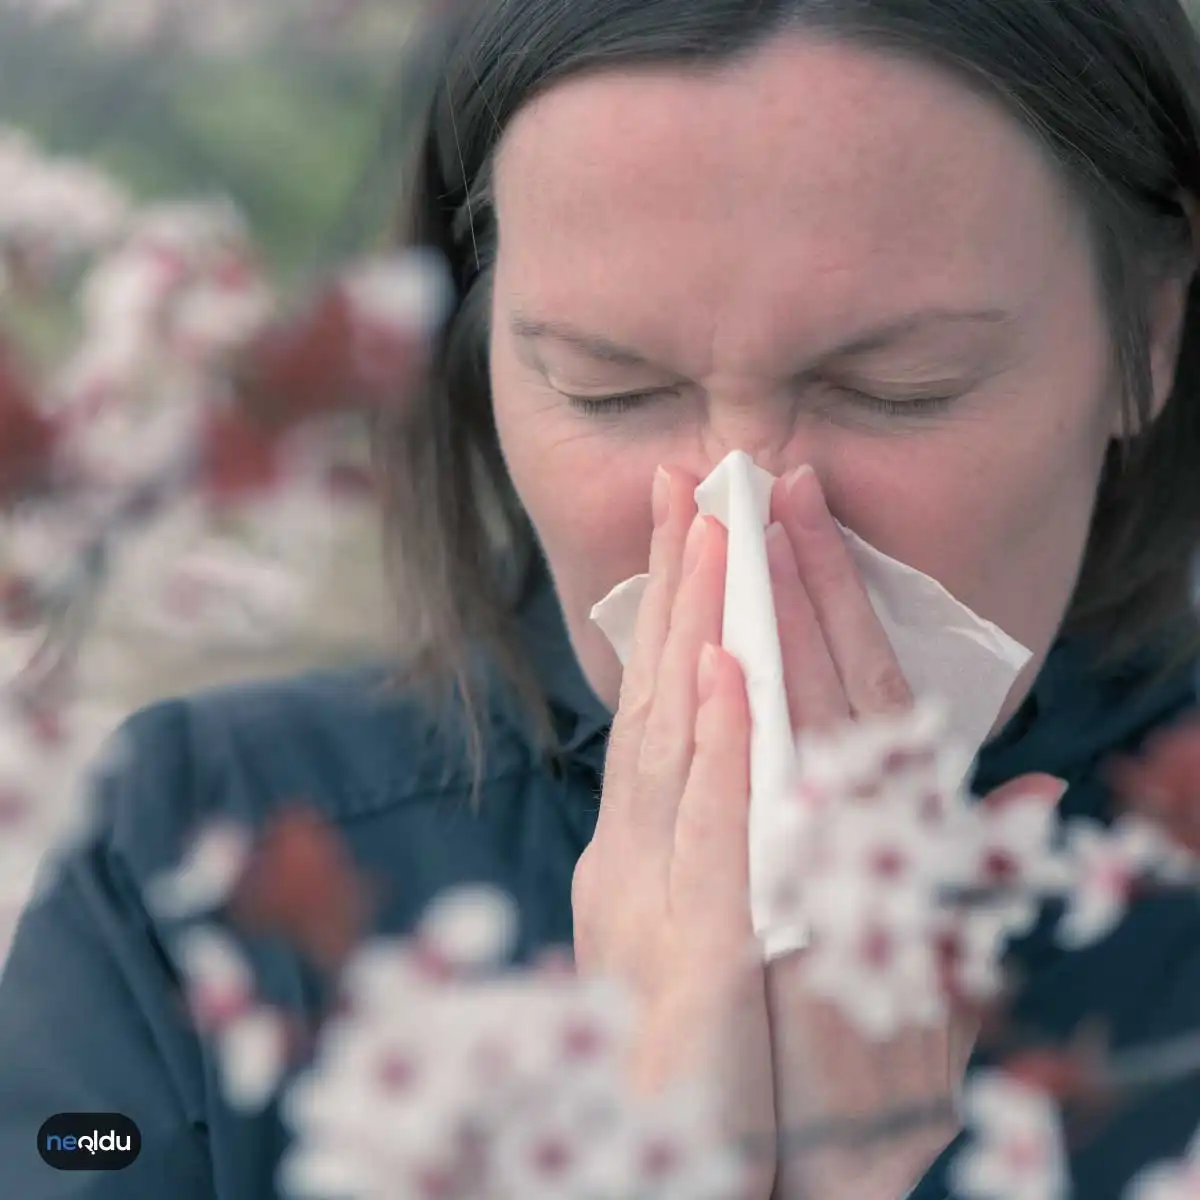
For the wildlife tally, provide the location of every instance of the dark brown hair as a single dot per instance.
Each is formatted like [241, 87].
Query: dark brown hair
[1109, 88]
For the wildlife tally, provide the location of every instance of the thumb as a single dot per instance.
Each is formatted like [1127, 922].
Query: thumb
[1035, 786]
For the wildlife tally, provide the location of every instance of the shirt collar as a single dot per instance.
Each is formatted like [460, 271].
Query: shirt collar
[581, 719]
[1080, 713]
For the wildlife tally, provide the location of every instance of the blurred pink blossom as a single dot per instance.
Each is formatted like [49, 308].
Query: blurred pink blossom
[505, 1085]
[1016, 1150]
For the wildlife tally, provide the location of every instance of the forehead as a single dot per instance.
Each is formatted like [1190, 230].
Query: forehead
[809, 169]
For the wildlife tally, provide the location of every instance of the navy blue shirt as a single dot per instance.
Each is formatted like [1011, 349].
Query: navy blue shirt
[90, 1015]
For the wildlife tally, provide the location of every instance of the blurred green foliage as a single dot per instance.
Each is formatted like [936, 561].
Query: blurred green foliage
[290, 133]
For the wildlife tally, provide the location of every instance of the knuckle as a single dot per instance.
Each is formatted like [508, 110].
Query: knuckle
[634, 710]
[626, 736]
[662, 755]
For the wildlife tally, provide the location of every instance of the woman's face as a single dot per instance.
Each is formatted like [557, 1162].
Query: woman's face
[790, 257]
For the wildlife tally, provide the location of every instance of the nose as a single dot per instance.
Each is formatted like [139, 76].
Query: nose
[773, 440]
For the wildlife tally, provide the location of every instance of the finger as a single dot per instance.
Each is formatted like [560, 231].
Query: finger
[669, 735]
[710, 864]
[1048, 789]
[650, 631]
[816, 698]
[866, 663]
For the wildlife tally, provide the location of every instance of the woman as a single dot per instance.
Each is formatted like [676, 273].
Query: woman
[942, 254]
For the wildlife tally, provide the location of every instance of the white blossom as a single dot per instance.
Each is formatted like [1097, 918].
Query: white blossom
[514, 1078]
[1011, 847]
[216, 858]
[1175, 1179]
[41, 542]
[223, 595]
[471, 926]
[217, 316]
[973, 944]
[902, 753]
[893, 870]
[882, 975]
[1166, 1181]
[55, 204]
[1106, 865]
[159, 312]
[880, 856]
[655, 1150]
[1016, 1150]
[296, 520]
[128, 290]
[910, 889]
[124, 447]
[249, 1038]
[409, 293]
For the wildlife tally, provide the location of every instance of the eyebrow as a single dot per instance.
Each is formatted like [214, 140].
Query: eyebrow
[603, 350]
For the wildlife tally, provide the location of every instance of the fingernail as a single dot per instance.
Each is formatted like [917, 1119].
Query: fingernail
[806, 499]
[791, 478]
[660, 500]
[694, 544]
[706, 673]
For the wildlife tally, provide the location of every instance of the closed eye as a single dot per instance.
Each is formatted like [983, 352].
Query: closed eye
[599, 406]
[897, 406]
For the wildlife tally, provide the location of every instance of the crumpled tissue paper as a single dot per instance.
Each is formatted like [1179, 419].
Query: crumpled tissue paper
[944, 649]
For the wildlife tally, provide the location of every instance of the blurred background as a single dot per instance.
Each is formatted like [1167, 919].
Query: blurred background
[280, 104]
[289, 111]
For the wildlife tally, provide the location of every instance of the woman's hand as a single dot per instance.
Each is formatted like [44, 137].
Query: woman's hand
[839, 665]
[660, 895]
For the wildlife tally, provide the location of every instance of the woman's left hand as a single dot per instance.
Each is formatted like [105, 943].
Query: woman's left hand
[839, 665]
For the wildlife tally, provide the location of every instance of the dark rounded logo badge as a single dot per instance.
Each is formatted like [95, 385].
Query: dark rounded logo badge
[89, 1141]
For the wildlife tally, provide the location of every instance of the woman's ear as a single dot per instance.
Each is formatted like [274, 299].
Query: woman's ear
[1166, 335]
[1167, 316]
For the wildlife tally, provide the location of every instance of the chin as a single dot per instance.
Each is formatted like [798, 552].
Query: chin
[1018, 693]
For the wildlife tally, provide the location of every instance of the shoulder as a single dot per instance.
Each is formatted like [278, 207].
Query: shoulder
[348, 743]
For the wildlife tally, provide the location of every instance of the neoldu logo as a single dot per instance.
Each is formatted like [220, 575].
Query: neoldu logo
[89, 1141]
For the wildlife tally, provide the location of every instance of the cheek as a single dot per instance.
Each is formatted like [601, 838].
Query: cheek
[996, 509]
[996, 504]
[587, 491]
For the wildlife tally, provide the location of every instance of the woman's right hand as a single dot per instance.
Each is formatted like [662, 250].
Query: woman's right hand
[661, 894]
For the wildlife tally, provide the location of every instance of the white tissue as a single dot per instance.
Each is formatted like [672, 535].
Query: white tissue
[944, 649]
